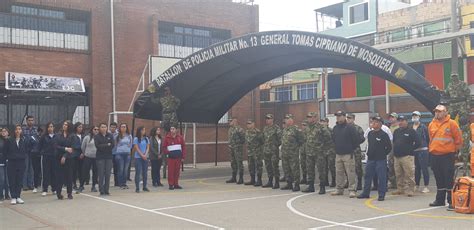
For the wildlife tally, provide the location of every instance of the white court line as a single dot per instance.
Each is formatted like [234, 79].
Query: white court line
[377, 217]
[223, 201]
[292, 209]
[152, 211]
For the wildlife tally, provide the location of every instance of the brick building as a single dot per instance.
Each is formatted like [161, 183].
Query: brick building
[72, 38]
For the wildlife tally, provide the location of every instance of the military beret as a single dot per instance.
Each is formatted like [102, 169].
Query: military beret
[269, 116]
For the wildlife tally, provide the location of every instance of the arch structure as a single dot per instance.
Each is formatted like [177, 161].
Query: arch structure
[210, 81]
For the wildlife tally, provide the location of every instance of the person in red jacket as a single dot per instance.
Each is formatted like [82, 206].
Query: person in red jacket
[175, 147]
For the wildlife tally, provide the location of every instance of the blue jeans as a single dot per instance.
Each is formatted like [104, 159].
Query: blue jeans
[373, 168]
[421, 166]
[122, 161]
[28, 176]
[141, 167]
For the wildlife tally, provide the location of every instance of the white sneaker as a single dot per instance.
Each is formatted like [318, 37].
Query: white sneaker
[425, 190]
[54, 193]
[13, 201]
[352, 194]
[20, 201]
[43, 194]
[35, 190]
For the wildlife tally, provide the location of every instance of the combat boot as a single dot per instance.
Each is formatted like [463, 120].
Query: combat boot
[288, 186]
[359, 183]
[277, 184]
[304, 181]
[259, 181]
[333, 182]
[232, 179]
[252, 180]
[296, 188]
[269, 184]
[241, 178]
[322, 190]
[310, 187]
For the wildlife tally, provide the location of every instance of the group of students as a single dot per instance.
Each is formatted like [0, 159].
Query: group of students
[60, 159]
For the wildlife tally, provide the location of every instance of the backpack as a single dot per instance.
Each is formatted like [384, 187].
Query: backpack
[463, 195]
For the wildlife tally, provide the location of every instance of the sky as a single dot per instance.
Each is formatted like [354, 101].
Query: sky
[293, 14]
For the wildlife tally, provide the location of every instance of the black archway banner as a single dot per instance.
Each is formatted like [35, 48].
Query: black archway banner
[211, 80]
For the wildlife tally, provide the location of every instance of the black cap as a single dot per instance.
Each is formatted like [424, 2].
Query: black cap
[351, 115]
[378, 118]
[340, 113]
[401, 118]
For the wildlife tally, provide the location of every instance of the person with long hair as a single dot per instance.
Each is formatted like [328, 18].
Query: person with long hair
[89, 155]
[63, 144]
[141, 147]
[3, 162]
[156, 156]
[122, 154]
[77, 155]
[5, 134]
[104, 142]
[16, 151]
[175, 147]
[49, 160]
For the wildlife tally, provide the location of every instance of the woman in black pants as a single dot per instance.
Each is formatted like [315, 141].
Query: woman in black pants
[156, 156]
[48, 163]
[63, 145]
[16, 151]
[89, 153]
[77, 156]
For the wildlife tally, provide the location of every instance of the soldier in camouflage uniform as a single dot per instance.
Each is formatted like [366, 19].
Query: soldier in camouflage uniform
[254, 140]
[460, 101]
[330, 152]
[272, 141]
[283, 162]
[291, 139]
[236, 147]
[358, 152]
[169, 105]
[302, 151]
[317, 136]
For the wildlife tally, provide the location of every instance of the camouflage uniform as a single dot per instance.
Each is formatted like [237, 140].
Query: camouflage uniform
[291, 139]
[254, 140]
[330, 152]
[169, 106]
[317, 136]
[459, 107]
[272, 141]
[358, 160]
[303, 154]
[236, 145]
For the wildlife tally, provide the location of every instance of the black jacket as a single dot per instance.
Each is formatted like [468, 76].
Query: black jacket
[47, 145]
[60, 143]
[379, 145]
[2, 150]
[104, 145]
[405, 141]
[14, 151]
[346, 138]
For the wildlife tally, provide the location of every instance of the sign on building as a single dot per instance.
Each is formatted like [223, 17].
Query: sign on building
[35, 82]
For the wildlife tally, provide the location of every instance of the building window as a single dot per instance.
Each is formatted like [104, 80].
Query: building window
[307, 91]
[45, 28]
[359, 13]
[265, 95]
[179, 41]
[283, 93]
